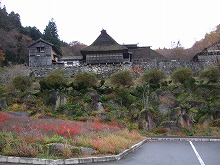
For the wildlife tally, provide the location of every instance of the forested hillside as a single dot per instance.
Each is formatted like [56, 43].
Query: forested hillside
[14, 39]
[179, 52]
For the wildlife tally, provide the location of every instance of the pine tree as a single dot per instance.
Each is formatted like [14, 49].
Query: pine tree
[51, 34]
[32, 32]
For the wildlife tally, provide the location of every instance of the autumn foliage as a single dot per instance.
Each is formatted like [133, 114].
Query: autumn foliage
[66, 128]
[178, 52]
[106, 139]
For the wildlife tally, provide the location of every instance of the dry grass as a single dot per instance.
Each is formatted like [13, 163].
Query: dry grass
[27, 131]
[110, 142]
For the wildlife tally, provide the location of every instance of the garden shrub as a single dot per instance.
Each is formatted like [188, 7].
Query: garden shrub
[124, 97]
[54, 139]
[2, 91]
[153, 76]
[72, 111]
[121, 79]
[55, 80]
[188, 131]
[85, 80]
[22, 83]
[216, 123]
[211, 74]
[181, 75]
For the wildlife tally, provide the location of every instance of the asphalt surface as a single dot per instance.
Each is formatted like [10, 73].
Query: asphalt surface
[171, 153]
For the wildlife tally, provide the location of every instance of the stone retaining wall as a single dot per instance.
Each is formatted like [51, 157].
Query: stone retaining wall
[105, 70]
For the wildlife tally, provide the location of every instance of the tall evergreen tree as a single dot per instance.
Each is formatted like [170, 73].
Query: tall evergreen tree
[32, 32]
[51, 34]
[4, 18]
[14, 19]
[10, 21]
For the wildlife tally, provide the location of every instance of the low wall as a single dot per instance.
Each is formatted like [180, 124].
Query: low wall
[105, 70]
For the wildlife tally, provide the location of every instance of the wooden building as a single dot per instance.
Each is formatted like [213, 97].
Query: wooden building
[143, 53]
[43, 53]
[105, 50]
[211, 54]
[70, 61]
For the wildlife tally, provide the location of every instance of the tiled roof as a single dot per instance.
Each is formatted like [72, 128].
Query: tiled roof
[144, 53]
[156, 55]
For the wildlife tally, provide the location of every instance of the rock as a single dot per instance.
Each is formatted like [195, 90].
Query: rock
[60, 100]
[57, 148]
[30, 106]
[53, 98]
[101, 111]
[25, 114]
[100, 108]
[163, 108]
[95, 98]
[29, 98]
[37, 147]
[145, 120]
[172, 125]
[87, 151]
[170, 101]
[184, 120]
[3, 104]
[208, 120]
[196, 104]
[175, 103]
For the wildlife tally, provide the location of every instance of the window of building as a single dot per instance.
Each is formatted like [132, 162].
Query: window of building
[40, 49]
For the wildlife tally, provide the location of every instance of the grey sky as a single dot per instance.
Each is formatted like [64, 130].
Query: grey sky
[154, 23]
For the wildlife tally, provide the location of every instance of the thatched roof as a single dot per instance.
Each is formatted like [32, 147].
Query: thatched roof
[103, 43]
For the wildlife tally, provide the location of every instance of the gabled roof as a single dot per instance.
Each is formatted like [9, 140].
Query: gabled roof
[44, 41]
[40, 40]
[104, 42]
[156, 55]
[143, 53]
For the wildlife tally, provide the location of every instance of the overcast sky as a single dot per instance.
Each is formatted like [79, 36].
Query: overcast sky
[154, 23]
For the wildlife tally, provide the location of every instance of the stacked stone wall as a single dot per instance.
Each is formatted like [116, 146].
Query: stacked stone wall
[105, 70]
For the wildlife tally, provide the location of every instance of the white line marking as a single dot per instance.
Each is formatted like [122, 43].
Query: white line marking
[197, 154]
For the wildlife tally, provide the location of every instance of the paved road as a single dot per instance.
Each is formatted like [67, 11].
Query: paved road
[172, 153]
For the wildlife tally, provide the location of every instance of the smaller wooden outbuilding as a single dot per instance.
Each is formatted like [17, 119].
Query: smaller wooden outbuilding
[43, 53]
[69, 61]
[209, 54]
[143, 53]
